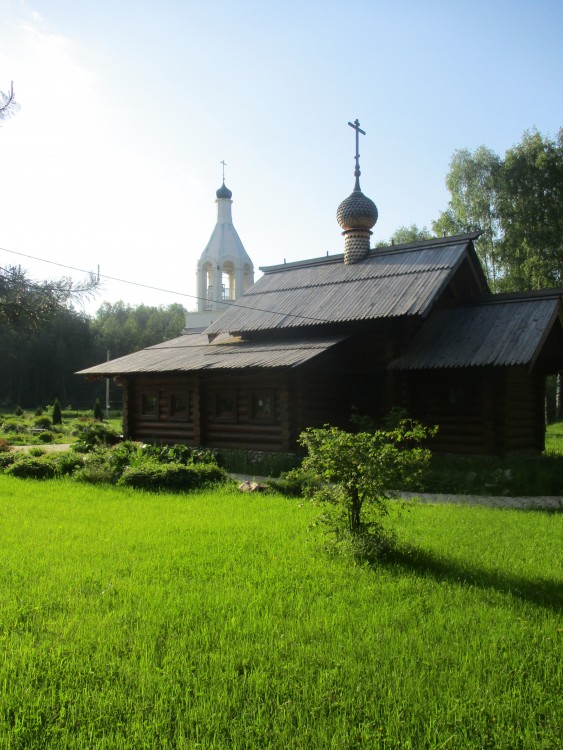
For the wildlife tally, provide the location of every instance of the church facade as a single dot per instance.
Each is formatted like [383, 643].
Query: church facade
[411, 326]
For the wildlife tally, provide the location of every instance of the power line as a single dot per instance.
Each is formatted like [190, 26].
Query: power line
[160, 289]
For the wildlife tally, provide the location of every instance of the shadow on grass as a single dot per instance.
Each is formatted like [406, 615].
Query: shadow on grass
[541, 592]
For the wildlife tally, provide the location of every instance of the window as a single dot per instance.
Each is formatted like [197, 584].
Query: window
[226, 405]
[262, 406]
[149, 405]
[180, 403]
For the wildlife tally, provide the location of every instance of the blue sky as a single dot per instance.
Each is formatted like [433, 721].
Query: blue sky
[127, 108]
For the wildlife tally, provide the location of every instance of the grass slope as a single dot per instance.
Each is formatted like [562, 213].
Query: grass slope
[136, 620]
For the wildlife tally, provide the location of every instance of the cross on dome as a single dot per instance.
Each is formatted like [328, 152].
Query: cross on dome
[356, 126]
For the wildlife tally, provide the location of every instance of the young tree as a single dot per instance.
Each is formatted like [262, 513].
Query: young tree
[363, 469]
[57, 416]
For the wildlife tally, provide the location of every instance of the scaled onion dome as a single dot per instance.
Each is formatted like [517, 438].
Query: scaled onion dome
[224, 192]
[357, 211]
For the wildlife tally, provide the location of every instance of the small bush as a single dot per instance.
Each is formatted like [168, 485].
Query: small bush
[4, 446]
[175, 476]
[14, 425]
[38, 412]
[43, 422]
[18, 411]
[91, 434]
[7, 459]
[95, 472]
[46, 437]
[67, 462]
[177, 454]
[36, 452]
[32, 468]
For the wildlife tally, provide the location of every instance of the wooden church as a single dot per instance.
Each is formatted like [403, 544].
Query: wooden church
[412, 326]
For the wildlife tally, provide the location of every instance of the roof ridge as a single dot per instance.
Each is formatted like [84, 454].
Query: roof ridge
[374, 251]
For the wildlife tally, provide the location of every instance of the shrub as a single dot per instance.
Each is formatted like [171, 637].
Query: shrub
[174, 476]
[91, 434]
[95, 472]
[67, 462]
[4, 446]
[14, 425]
[7, 459]
[38, 412]
[257, 463]
[46, 437]
[36, 452]
[57, 413]
[43, 422]
[32, 468]
[18, 411]
[178, 454]
[358, 472]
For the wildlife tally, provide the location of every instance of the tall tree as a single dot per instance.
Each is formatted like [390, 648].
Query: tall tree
[27, 305]
[472, 182]
[530, 205]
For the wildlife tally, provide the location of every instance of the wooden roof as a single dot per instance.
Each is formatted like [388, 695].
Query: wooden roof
[501, 331]
[401, 280]
[194, 352]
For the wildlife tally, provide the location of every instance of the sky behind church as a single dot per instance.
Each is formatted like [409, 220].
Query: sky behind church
[127, 109]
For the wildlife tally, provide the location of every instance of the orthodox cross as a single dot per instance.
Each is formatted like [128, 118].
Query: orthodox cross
[224, 163]
[356, 126]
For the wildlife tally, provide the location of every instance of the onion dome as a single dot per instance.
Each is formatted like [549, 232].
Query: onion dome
[224, 192]
[356, 214]
[357, 211]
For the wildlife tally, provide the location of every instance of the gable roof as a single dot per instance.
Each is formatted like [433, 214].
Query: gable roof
[194, 352]
[401, 280]
[502, 331]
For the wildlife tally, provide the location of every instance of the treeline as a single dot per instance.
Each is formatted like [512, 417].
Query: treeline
[39, 358]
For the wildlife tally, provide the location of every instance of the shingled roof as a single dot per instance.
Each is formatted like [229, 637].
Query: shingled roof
[401, 280]
[194, 352]
[504, 330]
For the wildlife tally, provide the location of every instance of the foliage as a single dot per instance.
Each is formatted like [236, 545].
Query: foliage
[361, 470]
[46, 437]
[472, 182]
[171, 476]
[182, 454]
[530, 205]
[26, 305]
[517, 203]
[92, 433]
[57, 412]
[32, 468]
[122, 329]
[43, 422]
[4, 446]
[406, 234]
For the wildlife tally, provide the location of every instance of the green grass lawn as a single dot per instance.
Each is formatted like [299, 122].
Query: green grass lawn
[214, 620]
